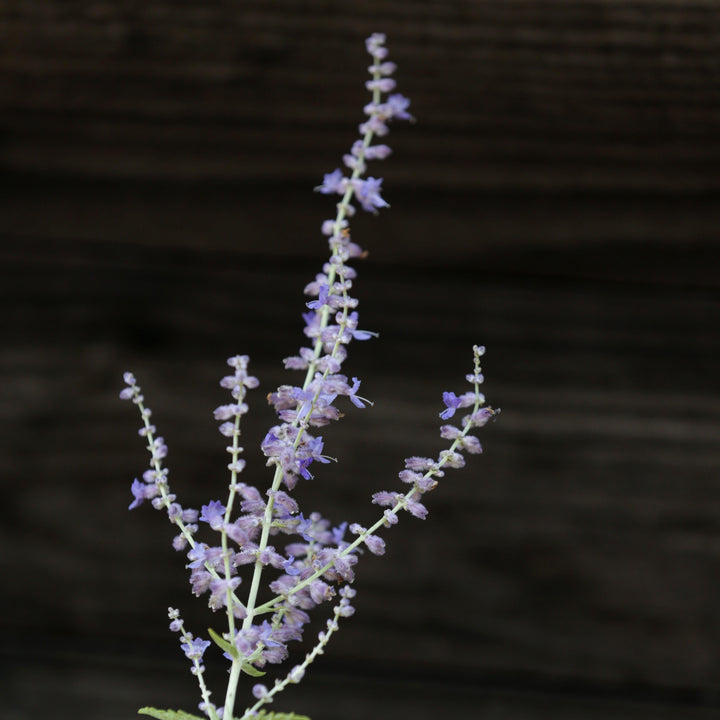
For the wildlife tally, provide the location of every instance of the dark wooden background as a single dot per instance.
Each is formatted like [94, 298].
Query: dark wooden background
[558, 200]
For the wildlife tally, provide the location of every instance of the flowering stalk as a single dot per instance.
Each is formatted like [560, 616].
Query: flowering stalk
[318, 564]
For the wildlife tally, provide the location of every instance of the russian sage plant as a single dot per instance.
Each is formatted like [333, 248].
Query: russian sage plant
[293, 562]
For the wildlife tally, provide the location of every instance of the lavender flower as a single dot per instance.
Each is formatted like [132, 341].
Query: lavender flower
[303, 561]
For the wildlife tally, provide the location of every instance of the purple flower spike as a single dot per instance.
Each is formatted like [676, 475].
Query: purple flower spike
[290, 563]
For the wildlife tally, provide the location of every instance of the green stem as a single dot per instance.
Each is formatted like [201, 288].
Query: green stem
[235, 671]
[251, 610]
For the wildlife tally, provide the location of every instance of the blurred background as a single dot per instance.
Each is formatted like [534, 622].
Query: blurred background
[557, 200]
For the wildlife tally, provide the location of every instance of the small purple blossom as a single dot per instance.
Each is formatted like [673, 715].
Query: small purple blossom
[368, 193]
[377, 152]
[214, 514]
[334, 182]
[320, 591]
[289, 567]
[323, 299]
[416, 508]
[195, 648]
[142, 491]
[375, 544]
[338, 534]
[384, 85]
[352, 394]
[375, 45]
[452, 402]
[260, 691]
[409, 476]
[351, 327]
[420, 464]
[219, 589]
[483, 415]
[451, 459]
[396, 107]
[284, 505]
[197, 556]
[296, 674]
[386, 498]
[374, 125]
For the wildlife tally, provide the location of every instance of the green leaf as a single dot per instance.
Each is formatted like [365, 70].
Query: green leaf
[168, 714]
[251, 670]
[231, 650]
[182, 715]
[223, 644]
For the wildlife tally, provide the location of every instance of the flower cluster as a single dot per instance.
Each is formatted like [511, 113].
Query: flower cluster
[310, 561]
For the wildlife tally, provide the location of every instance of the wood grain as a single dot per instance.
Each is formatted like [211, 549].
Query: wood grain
[601, 94]
[557, 200]
[580, 549]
